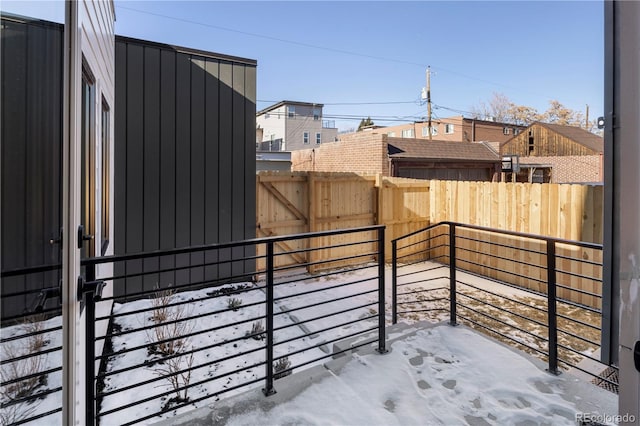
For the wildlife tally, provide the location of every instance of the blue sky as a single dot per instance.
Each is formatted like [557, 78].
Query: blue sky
[368, 52]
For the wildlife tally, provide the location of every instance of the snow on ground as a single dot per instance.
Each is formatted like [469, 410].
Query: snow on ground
[441, 376]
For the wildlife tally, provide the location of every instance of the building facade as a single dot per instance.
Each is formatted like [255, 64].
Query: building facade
[455, 129]
[290, 125]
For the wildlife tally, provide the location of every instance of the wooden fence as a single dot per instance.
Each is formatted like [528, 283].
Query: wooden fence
[290, 203]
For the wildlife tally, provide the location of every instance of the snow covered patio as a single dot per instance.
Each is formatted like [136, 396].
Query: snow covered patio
[432, 374]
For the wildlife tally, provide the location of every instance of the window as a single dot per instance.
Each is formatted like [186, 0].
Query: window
[506, 130]
[305, 137]
[449, 129]
[407, 133]
[531, 144]
[266, 115]
[434, 130]
[291, 110]
[318, 138]
[316, 114]
[88, 163]
[425, 131]
[391, 134]
[106, 174]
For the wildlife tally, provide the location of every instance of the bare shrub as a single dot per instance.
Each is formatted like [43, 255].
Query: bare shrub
[234, 303]
[34, 326]
[177, 370]
[166, 337]
[280, 366]
[257, 331]
[12, 373]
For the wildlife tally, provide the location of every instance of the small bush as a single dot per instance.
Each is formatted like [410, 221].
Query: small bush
[257, 331]
[166, 337]
[280, 366]
[234, 303]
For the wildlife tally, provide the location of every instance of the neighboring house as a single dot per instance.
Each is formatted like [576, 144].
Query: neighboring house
[367, 152]
[289, 125]
[555, 153]
[455, 129]
[273, 161]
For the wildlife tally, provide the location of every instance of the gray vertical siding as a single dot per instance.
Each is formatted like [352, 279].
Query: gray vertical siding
[185, 142]
[31, 161]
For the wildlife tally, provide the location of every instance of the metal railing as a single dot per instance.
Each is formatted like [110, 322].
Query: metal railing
[242, 330]
[541, 294]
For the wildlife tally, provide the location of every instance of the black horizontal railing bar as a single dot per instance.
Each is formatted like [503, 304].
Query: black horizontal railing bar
[163, 377]
[26, 293]
[538, 280]
[333, 327]
[27, 335]
[439, 299]
[39, 416]
[323, 289]
[577, 321]
[40, 394]
[305, 277]
[31, 376]
[415, 311]
[422, 252]
[326, 342]
[428, 280]
[503, 296]
[579, 260]
[193, 401]
[506, 284]
[425, 240]
[580, 305]
[506, 259]
[182, 302]
[579, 291]
[308, 250]
[512, 326]
[30, 270]
[572, 350]
[297, 323]
[324, 302]
[31, 355]
[575, 336]
[506, 336]
[516, 248]
[347, 336]
[428, 228]
[182, 336]
[577, 275]
[421, 290]
[212, 282]
[218, 246]
[587, 357]
[16, 319]
[434, 268]
[327, 261]
[415, 262]
[542, 324]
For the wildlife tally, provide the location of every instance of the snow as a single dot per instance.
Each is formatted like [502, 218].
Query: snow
[442, 375]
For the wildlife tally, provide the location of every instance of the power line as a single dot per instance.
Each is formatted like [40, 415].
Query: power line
[416, 102]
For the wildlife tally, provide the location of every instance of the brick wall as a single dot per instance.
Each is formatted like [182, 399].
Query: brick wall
[572, 168]
[362, 152]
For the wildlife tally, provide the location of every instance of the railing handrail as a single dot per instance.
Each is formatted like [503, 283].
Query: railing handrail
[583, 244]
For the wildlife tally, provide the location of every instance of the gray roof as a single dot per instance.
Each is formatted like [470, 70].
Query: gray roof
[440, 150]
[281, 103]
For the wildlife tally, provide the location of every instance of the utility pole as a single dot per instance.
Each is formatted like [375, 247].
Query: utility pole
[429, 101]
[586, 123]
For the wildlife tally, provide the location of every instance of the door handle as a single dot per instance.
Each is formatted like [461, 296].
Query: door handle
[636, 355]
[82, 237]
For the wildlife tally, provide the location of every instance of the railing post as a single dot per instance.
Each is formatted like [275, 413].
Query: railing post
[551, 307]
[452, 275]
[394, 281]
[90, 346]
[268, 388]
[381, 298]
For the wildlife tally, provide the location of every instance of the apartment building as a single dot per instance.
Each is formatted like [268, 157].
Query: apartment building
[291, 125]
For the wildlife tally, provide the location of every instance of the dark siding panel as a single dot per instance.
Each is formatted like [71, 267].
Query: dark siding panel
[135, 162]
[167, 162]
[249, 161]
[238, 158]
[225, 169]
[183, 162]
[151, 220]
[197, 165]
[212, 112]
[120, 163]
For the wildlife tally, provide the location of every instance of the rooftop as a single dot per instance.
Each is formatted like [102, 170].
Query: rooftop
[440, 150]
